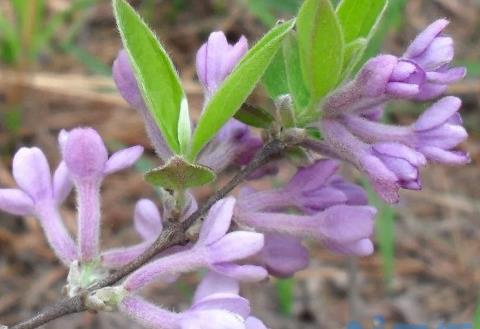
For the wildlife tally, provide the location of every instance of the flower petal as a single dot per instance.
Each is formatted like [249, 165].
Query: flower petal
[214, 283]
[123, 159]
[438, 113]
[361, 248]
[439, 155]
[344, 224]
[235, 246]
[424, 39]
[254, 323]
[62, 183]
[284, 255]
[32, 173]
[85, 153]
[221, 301]
[147, 220]
[217, 221]
[244, 273]
[15, 202]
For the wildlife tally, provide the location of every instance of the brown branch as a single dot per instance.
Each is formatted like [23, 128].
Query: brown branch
[174, 234]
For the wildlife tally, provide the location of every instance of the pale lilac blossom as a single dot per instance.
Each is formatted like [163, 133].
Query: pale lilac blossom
[216, 304]
[433, 51]
[39, 195]
[215, 249]
[216, 59]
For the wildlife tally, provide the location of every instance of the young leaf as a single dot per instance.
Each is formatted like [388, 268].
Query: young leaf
[178, 175]
[353, 55]
[238, 86]
[359, 17]
[296, 84]
[184, 127]
[275, 78]
[255, 117]
[163, 96]
[321, 46]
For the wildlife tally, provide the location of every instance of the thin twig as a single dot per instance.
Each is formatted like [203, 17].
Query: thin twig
[172, 235]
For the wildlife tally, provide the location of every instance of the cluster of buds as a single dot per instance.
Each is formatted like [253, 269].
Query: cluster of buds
[391, 156]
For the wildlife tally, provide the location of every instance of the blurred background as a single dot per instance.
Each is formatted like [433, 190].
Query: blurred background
[55, 72]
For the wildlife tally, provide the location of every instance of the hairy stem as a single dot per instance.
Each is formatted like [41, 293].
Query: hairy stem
[173, 235]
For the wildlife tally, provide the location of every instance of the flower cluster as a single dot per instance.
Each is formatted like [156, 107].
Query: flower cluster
[258, 233]
[392, 156]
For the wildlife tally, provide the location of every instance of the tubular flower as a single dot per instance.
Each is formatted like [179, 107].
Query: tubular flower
[234, 143]
[216, 59]
[128, 87]
[149, 225]
[433, 52]
[215, 249]
[392, 156]
[39, 195]
[87, 161]
[313, 188]
[216, 304]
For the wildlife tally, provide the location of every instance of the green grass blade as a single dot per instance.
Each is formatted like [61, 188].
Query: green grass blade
[285, 293]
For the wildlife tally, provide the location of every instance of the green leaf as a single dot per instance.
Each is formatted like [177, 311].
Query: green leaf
[353, 55]
[298, 157]
[296, 83]
[238, 86]
[360, 17]
[179, 175]
[275, 78]
[154, 70]
[255, 117]
[321, 46]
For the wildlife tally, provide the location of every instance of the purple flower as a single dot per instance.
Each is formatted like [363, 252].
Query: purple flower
[39, 195]
[217, 311]
[128, 87]
[86, 158]
[392, 156]
[389, 166]
[338, 225]
[216, 304]
[311, 189]
[149, 226]
[216, 59]
[433, 52]
[436, 133]
[216, 284]
[439, 130]
[422, 74]
[283, 255]
[382, 78]
[233, 145]
[215, 249]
